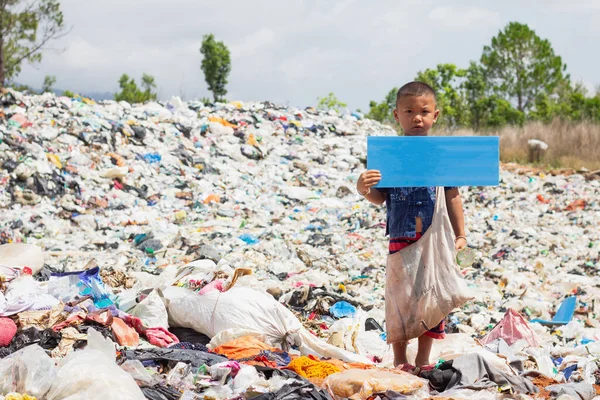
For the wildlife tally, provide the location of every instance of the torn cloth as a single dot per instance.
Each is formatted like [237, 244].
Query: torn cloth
[472, 371]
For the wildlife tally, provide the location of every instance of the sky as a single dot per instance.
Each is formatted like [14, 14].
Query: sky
[291, 52]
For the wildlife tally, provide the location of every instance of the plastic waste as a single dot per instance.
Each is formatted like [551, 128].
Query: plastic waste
[76, 183]
[563, 315]
[465, 257]
[249, 239]
[21, 255]
[140, 374]
[29, 370]
[342, 309]
[248, 309]
[93, 374]
[70, 285]
[152, 311]
[361, 384]
[511, 328]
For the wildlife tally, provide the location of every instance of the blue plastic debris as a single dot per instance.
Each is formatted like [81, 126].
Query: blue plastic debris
[249, 239]
[342, 309]
[152, 158]
[567, 372]
[564, 314]
[557, 361]
[139, 238]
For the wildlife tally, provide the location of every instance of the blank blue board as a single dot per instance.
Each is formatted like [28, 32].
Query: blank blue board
[416, 161]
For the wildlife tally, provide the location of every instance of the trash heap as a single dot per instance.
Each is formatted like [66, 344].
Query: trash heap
[181, 251]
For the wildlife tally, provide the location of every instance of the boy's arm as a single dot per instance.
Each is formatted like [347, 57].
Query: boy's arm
[375, 197]
[455, 212]
[365, 188]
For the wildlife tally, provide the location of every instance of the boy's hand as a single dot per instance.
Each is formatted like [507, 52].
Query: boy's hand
[460, 244]
[367, 180]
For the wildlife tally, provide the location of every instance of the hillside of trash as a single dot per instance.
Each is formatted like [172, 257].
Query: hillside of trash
[178, 250]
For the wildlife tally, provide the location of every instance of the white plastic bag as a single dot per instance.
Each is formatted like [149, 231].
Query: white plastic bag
[21, 255]
[28, 370]
[152, 311]
[247, 309]
[136, 369]
[93, 374]
[242, 308]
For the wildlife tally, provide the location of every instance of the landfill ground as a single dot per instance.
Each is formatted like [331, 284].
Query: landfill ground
[179, 250]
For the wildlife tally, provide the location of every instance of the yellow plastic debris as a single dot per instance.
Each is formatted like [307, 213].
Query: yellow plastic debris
[53, 158]
[180, 216]
[252, 140]
[18, 396]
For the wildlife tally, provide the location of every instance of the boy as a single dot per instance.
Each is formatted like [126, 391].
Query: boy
[410, 209]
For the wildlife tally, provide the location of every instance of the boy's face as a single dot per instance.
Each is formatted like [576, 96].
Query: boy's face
[416, 114]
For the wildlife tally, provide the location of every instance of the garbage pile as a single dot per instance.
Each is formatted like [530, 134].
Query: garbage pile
[181, 250]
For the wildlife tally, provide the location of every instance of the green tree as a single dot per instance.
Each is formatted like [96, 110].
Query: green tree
[26, 27]
[570, 103]
[148, 85]
[520, 65]
[475, 91]
[49, 81]
[500, 112]
[132, 94]
[446, 79]
[330, 102]
[384, 111]
[68, 93]
[216, 66]
[19, 87]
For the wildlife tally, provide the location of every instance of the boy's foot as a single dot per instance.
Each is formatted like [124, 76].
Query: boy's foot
[421, 363]
[411, 369]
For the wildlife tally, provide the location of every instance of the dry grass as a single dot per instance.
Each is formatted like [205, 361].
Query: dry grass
[570, 145]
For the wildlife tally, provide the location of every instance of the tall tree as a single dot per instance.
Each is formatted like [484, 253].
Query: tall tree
[216, 66]
[26, 27]
[520, 65]
[476, 91]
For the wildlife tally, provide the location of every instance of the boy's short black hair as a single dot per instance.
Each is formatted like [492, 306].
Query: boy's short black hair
[415, 89]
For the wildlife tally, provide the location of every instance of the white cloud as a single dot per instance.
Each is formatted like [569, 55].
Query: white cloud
[464, 18]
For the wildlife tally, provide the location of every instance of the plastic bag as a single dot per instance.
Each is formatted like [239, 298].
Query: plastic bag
[358, 384]
[251, 310]
[242, 308]
[22, 255]
[152, 311]
[70, 285]
[29, 370]
[96, 341]
[139, 373]
[511, 328]
[423, 284]
[92, 374]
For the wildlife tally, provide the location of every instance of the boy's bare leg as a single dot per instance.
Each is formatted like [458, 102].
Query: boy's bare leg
[425, 344]
[400, 353]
